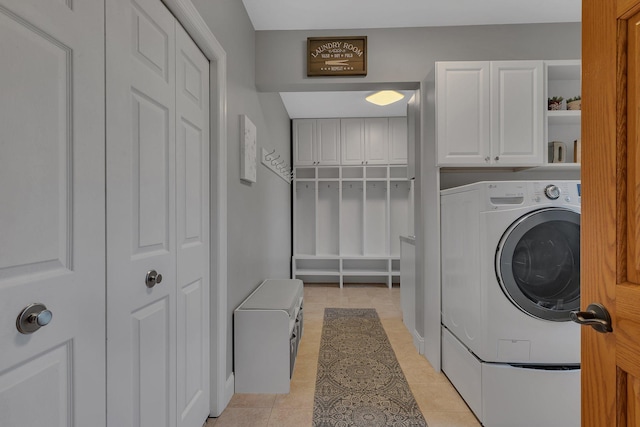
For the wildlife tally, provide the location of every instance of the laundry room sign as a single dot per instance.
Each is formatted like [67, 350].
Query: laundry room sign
[336, 56]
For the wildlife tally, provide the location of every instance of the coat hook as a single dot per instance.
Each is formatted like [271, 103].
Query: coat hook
[268, 155]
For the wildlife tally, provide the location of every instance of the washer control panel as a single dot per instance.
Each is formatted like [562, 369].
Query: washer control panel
[564, 192]
[501, 195]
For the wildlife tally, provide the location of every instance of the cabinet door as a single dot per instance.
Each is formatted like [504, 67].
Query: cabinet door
[462, 113]
[304, 131]
[352, 141]
[517, 112]
[398, 140]
[328, 141]
[376, 141]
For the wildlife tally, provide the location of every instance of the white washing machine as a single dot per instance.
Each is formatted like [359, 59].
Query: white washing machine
[510, 277]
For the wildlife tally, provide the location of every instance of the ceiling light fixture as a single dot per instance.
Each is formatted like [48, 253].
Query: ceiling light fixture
[385, 97]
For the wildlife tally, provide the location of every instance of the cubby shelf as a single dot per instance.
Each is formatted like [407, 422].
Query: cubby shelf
[347, 228]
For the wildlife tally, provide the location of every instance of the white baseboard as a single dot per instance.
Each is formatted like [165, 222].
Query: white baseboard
[229, 389]
[418, 341]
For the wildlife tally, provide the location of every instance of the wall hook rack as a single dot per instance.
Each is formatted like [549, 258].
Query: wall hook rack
[269, 159]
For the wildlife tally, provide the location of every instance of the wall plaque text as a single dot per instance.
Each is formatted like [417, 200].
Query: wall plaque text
[336, 56]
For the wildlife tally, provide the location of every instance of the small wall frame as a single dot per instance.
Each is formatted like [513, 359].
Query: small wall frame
[248, 150]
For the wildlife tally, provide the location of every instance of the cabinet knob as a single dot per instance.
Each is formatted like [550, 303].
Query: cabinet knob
[486, 159]
[497, 158]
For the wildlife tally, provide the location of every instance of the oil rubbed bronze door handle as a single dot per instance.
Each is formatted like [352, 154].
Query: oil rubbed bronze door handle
[596, 316]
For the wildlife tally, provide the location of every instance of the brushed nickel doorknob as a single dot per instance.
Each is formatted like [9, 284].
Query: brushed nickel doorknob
[152, 278]
[33, 317]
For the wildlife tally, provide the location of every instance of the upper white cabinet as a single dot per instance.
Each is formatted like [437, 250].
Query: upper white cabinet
[316, 142]
[398, 140]
[365, 141]
[490, 113]
[376, 141]
[462, 112]
[352, 141]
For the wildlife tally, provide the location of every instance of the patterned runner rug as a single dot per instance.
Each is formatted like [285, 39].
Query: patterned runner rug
[359, 381]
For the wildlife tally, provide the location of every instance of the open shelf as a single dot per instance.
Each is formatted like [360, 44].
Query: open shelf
[305, 218]
[305, 173]
[563, 79]
[328, 214]
[375, 235]
[328, 173]
[317, 266]
[398, 172]
[376, 172]
[351, 218]
[352, 172]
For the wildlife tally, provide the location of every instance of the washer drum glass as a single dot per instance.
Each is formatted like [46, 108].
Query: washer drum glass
[538, 263]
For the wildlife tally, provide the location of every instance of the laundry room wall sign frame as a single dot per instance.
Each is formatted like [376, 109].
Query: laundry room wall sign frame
[336, 56]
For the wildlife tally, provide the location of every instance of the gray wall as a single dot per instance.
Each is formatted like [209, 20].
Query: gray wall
[405, 59]
[407, 55]
[258, 214]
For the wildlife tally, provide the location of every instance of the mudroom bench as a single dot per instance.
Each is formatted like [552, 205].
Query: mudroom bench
[267, 330]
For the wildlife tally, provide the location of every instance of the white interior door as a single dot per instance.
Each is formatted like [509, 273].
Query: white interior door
[157, 219]
[141, 232]
[192, 198]
[52, 212]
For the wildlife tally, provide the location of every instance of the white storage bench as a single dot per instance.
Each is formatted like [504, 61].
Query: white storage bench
[267, 330]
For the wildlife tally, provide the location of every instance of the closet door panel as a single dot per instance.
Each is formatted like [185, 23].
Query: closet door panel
[141, 205]
[192, 216]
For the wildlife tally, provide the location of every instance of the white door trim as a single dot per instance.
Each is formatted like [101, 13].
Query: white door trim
[186, 13]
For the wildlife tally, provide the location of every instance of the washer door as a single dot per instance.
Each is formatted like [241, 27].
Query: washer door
[538, 263]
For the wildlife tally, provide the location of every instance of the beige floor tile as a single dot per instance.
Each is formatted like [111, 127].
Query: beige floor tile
[244, 417]
[300, 396]
[439, 401]
[451, 419]
[440, 397]
[291, 417]
[210, 422]
[250, 400]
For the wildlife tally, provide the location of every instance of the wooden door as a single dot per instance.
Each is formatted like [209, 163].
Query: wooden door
[52, 220]
[517, 113]
[611, 211]
[462, 113]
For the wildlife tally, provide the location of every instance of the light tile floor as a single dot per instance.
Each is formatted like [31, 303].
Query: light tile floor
[441, 405]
